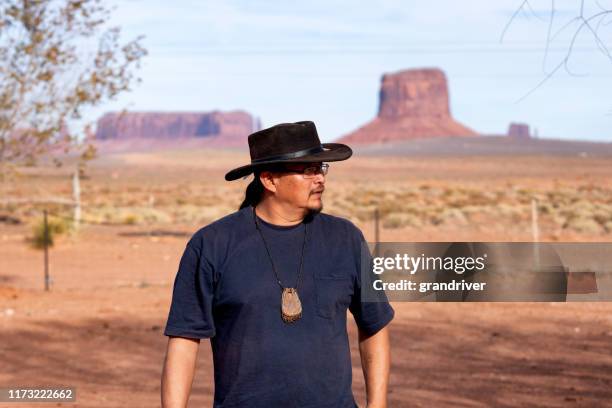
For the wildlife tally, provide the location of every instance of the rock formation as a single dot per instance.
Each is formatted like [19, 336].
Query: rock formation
[412, 104]
[230, 126]
[519, 131]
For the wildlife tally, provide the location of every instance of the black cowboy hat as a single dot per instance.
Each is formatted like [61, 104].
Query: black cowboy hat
[289, 143]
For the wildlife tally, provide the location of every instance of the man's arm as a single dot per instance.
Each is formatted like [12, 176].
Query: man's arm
[179, 369]
[375, 362]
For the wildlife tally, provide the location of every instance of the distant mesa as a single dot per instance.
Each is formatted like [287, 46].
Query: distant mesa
[222, 128]
[519, 131]
[412, 104]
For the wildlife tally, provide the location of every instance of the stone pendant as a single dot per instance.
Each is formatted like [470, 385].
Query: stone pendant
[291, 307]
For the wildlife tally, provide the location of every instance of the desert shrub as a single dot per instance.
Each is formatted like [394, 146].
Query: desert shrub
[413, 208]
[128, 215]
[390, 206]
[407, 196]
[190, 214]
[368, 198]
[435, 219]
[155, 200]
[479, 197]
[453, 216]
[11, 208]
[130, 219]
[55, 227]
[151, 215]
[133, 201]
[583, 206]
[583, 224]
[394, 220]
[364, 213]
[524, 196]
[546, 208]
[559, 220]
[133, 189]
[455, 198]
[602, 213]
[399, 220]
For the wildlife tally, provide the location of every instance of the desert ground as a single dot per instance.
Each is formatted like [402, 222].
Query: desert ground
[99, 328]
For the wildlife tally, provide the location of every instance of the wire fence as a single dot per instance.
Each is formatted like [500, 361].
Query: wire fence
[58, 214]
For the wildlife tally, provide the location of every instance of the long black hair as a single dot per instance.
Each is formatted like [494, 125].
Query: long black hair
[253, 193]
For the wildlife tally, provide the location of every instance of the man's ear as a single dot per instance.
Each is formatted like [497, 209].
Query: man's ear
[268, 181]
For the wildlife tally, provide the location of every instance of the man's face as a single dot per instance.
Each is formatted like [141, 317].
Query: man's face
[301, 189]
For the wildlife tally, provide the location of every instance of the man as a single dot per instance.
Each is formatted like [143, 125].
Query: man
[270, 285]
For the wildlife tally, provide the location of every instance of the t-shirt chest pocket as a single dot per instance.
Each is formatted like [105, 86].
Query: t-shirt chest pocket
[333, 292]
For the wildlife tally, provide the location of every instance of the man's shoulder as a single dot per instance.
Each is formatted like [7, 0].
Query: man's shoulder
[339, 224]
[221, 228]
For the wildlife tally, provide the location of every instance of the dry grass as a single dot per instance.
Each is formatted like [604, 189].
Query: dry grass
[432, 196]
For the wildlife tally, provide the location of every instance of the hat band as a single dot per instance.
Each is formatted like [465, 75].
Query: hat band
[287, 156]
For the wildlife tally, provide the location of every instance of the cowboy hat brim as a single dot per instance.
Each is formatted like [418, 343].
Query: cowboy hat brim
[331, 152]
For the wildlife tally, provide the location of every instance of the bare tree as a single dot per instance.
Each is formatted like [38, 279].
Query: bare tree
[588, 20]
[57, 58]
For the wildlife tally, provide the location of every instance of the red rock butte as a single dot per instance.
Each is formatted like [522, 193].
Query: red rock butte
[229, 127]
[519, 131]
[412, 104]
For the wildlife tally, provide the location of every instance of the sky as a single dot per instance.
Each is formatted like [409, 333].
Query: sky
[322, 60]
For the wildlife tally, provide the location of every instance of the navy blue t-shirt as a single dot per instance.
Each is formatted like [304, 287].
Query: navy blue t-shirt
[225, 289]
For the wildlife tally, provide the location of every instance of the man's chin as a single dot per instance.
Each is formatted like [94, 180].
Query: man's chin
[316, 208]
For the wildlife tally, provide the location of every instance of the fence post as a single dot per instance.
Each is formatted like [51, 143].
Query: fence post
[76, 195]
[376, 232]
[46, 247]
[535, 231]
